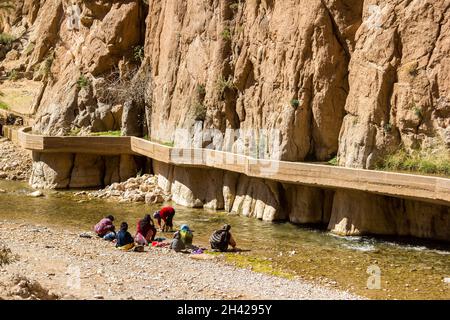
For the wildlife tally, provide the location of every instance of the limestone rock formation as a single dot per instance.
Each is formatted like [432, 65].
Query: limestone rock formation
[358, 213]
[356, 79]
[398, 85]
[60, 171]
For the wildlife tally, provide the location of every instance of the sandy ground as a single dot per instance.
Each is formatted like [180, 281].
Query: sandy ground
[71, 267]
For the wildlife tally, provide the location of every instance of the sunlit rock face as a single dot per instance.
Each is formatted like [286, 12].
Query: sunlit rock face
[399, 88]
[347, 77]
[356, 79]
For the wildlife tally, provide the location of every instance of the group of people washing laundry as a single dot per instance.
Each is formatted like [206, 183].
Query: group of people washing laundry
[146, 231]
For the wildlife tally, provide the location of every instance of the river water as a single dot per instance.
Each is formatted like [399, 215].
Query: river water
[410, 269]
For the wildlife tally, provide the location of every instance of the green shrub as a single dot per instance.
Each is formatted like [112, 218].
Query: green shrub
[75, 132]
[226, 34]
[201, 91]
[418, 112]
[138, 53]
[6, 39]
[168, 143]
[45, 67]
[234, 6]
[295, 103]
[3, 106]
[224, 84]
[29, 49]
[165, 143]
[6, 256]
[333, 162]
[13, 75]
[83, 82]
[200, 112]
[387, 127]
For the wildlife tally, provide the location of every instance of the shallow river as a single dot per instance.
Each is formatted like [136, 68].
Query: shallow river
[409, 268]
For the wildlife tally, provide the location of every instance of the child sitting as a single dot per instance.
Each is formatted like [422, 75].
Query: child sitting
[182, 239]
[124, 239]
[186, 235]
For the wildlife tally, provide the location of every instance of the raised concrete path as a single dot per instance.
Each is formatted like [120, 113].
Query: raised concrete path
[418, 187]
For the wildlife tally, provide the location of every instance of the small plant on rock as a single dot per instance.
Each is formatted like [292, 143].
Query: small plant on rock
[418, 112]
[333, 162]
[199, 112]
[225, 84]
[234, 6]
[3, 106]
[295, 103]
[201, 91]
[6, 256]
[138, 54]
[13, 75]
[29, 49]
[226, 34]
[387, 127]
[83, 82]
[412, 70]
[6, 39]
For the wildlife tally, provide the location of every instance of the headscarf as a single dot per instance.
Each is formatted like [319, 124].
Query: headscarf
[146, 222]
[185, 227]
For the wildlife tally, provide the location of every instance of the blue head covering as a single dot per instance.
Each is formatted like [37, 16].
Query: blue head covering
[184, 227]
[156, 215]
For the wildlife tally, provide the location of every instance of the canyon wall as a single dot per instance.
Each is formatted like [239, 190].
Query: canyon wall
[70, 170]
[356, 79]
[348, 78]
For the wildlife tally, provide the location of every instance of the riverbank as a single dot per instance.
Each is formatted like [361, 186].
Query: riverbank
[54, 257]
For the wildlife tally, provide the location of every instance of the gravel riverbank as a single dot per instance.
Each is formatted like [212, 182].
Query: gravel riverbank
[61, 264]
[15, 163]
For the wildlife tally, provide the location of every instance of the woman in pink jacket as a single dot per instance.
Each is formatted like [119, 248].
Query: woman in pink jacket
[105, 226]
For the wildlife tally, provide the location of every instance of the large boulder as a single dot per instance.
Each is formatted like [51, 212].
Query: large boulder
[51, 171]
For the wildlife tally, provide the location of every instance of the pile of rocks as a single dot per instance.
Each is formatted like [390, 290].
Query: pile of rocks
[15, 164]
[19, 287]
[140, 189]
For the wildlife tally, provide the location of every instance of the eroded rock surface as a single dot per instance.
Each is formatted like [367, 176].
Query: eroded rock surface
[67, 170]
[356, 79]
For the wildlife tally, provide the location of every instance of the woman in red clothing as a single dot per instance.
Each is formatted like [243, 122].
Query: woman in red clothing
[146, 231]
[165, 215]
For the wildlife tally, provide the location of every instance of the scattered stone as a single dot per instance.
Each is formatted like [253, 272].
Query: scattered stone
[36, 194]
[2, 191]
[447, 280]
[15, 163]
[85, 235]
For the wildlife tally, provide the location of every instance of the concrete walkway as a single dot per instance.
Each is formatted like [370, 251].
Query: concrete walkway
[417, 187]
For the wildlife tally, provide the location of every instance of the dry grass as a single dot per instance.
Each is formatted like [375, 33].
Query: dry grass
[6, 256]
[429, 161]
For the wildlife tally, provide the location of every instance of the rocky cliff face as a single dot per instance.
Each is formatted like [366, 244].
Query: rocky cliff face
[347, 77]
